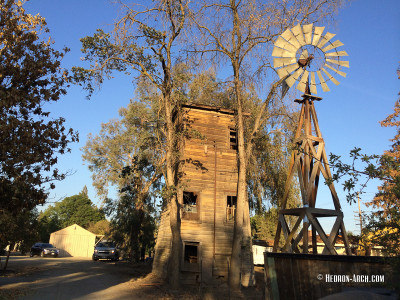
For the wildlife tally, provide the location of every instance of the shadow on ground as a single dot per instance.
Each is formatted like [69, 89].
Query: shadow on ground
[73, 278]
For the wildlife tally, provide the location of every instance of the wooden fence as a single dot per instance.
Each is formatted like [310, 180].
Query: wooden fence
[307, 276]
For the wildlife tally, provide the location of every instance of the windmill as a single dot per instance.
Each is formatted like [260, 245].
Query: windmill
[308, 59]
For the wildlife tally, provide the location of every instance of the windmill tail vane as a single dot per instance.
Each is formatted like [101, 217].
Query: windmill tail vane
[305, 56]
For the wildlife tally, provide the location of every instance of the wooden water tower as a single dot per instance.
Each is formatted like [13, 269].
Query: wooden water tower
[208, 200]
[302, 53]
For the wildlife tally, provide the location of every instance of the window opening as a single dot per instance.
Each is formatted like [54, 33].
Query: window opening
[189, 202]
[230, 207]
[233, 139]
[191, 255]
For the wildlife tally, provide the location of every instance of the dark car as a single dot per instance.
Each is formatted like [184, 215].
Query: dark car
[44, 249]
[105, 250]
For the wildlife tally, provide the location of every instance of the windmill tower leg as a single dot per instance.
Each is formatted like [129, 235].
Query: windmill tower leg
[309, 160]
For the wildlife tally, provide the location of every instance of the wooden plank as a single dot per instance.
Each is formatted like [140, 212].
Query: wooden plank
[285, 227]
[296, 241]
[345, 239]
[311, 184]
[314, 240]
[315, 119]
[334, 232]
[292, 211]
[323, 212]
[277, 236]
[294, 161]
[331, 186]
[305, 235]
[300, 176]
[300, 123]
[308, 137]
[321, 232]
[289, 239]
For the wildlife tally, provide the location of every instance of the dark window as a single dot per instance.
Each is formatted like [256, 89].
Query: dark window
[233, 142]
[191, 253]
[230, 207]
[191, 256]
[191, 207]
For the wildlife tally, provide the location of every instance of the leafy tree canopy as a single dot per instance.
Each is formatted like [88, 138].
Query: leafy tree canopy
[77, 209]
[30, 76]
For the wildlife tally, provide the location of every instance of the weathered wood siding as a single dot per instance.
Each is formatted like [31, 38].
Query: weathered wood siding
[210, 171]
[307, 276]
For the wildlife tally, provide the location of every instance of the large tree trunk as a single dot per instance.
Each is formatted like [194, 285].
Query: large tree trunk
[240, 246]
[175, 220]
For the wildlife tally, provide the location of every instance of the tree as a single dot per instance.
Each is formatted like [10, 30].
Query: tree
[383, 223]
[48, 222]
[101, 227]
[22, 229]
[31, 75]
[77, 209]
[127, 155]
[237, 33]
[120, 143]
[143, 43]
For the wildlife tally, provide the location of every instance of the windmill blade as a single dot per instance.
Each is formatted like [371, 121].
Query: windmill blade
[339, 62]
[304, 54]
[283, 61]
[293, 78]
[282, 53]
[313, 85]
[303, 81]
[298, 33]
[337, 53]
[285, 71]
[333, 79]
[281, 43]
[326, 38]
[324, 86]
[333, 45]
[289, 36]
[307, 29]
[336, 70]
[317, 35]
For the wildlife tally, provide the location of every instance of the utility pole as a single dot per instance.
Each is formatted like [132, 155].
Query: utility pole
[358, 216]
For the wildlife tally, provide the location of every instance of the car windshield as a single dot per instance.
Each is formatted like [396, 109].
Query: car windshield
[105, 245]
[47, 246]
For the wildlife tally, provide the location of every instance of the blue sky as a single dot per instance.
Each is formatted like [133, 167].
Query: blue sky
[348, 115]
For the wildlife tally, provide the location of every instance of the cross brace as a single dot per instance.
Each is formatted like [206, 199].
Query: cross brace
[310, 161]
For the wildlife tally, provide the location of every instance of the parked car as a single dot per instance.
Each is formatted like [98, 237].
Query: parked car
[105, 250]
[44, 249]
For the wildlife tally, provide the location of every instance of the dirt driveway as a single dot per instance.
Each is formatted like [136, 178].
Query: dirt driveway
[70, 278]
[80, 278]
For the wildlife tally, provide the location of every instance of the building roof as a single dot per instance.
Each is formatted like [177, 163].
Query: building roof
[212, 108]
[74, 229]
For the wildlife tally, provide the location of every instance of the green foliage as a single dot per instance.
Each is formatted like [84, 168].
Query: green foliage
[352, 174]
[120, 143]
[30, 141]
[21, 228]
[132, 215]
[77, 209]
[48, 223]
[263, 225]
[100, 227]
